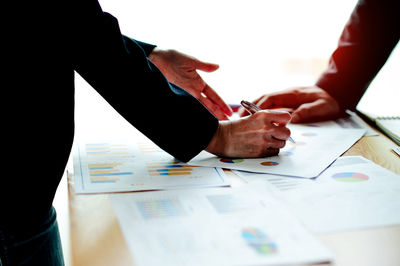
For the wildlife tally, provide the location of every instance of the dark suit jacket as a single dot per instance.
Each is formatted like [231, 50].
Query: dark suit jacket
[368, 38]
[46, 41]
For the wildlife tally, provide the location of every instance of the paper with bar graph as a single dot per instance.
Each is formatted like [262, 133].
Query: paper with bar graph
[109, 166]
[214, 226]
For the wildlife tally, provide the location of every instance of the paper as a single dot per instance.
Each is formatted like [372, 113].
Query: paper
[315, 149]
[352, 121]
[354, 193]
[133, 166]
[274, 182]
[213, 226]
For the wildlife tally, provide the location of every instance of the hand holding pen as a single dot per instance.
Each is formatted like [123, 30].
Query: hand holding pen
[261, 134]
[252, 108]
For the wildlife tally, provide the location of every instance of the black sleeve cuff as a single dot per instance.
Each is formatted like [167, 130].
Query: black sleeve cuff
[147, 48]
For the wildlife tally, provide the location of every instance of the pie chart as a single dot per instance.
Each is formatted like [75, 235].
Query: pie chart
[269, 163]
[350, 177]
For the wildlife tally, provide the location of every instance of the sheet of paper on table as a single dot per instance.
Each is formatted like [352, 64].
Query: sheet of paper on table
[213, 226]
[351, 121]
[313, 151]
[353, 193]
[110, 166]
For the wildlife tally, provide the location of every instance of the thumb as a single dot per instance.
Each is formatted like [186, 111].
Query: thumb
[207, 67]
[313, 111]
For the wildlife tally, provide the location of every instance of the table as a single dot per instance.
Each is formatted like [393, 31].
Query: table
[96, 238]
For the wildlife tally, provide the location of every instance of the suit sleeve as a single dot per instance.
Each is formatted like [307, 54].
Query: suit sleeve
[366, 42]
[147, 48]
[117, 67]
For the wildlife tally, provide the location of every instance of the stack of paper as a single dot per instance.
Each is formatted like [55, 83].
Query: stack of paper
[215, 226]
[244, 226]
[108, 166]
[315, 148]
[353, 193]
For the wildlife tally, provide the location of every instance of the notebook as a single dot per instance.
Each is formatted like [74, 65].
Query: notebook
[390, 126]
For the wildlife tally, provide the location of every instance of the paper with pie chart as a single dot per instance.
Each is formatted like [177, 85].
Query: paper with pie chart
[113, 166]
[213, 226]
[353, 193]
[313, 151]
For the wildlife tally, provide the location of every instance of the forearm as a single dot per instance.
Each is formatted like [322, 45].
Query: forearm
[365, 44]
[120, 71]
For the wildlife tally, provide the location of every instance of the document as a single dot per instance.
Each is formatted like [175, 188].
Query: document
[351, 121]
[213, 226]
[276, 183]
[353, 193]
[315, 148]
[114, 166]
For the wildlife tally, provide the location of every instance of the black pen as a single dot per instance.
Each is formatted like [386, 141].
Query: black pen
[249, 105]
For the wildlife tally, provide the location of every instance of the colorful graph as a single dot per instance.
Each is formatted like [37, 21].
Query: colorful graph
[162, 208]
[259, 241]
[106, 173]
[350, 177]
[169, 168]
[269, 163]
[231, 160]
[309, 134]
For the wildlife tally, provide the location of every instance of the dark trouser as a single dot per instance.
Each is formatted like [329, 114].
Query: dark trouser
[38, 246]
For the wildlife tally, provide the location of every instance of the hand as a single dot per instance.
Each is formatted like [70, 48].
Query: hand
[259, 135]
[180, 69]
[308, 104]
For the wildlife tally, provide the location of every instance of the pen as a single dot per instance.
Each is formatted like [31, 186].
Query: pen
[249, 105]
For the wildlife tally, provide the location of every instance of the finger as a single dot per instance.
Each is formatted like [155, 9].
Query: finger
[259, 99]
[271, 152]
[314, 111]
[215, 109]
[281, 133]
[276, 143]
[280, 99]
[275, 117]
[216, 99]
[203, 66]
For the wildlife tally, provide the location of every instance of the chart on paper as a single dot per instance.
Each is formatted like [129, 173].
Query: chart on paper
[111, 166]
[213, 226]
[312, 152]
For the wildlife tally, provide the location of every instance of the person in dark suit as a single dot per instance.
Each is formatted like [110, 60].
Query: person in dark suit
[366, 42]
[45, 42]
